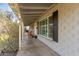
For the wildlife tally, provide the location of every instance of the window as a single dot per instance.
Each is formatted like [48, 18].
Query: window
[38, 28]
[50, 27]
[43, 27]
[53, 26]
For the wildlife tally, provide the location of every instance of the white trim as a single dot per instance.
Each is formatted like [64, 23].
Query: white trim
[45, 18]
[47, 27]
[46, 37]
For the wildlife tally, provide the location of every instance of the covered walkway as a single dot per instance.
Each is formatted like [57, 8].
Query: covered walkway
[34, 47]
[56, 25]
[29, 15]
[32, 15]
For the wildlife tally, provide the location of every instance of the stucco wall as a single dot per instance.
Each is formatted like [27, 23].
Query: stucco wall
[68, 29]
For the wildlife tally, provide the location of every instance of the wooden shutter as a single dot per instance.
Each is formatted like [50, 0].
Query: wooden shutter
[55, 26]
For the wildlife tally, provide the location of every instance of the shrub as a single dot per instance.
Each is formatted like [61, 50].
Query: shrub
[9, 34]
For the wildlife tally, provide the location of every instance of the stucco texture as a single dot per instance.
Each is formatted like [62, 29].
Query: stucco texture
[68, 29]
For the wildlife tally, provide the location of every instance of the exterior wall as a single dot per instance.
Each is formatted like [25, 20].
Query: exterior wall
[31, 27]
[35, 28]
[68, 29]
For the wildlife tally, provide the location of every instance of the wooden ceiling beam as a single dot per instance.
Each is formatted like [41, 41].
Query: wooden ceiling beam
[27, 7]
[32, 12]
[31, 15]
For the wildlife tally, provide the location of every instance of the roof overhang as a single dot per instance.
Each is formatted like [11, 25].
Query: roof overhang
[33, 11]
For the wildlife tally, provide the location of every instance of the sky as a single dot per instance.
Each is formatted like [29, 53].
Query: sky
[5, 6]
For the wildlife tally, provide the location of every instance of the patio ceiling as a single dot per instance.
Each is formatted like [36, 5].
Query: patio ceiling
[32, 11]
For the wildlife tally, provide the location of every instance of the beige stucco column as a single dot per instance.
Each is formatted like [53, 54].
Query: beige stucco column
[16, 10]
[20, 26]
[21, 32]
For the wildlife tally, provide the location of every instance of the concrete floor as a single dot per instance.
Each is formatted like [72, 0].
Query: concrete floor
[34, 47]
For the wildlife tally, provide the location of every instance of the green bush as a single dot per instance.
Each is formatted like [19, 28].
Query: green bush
[9, 34]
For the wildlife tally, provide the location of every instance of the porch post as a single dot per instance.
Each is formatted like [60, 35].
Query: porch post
[20, 28]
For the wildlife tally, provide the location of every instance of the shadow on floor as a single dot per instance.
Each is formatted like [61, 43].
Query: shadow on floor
[34, 47]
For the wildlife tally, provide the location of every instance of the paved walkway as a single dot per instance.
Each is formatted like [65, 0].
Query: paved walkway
[33, 47]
